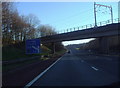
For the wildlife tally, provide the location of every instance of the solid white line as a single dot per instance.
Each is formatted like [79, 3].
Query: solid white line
[36, 78]
[94, 68]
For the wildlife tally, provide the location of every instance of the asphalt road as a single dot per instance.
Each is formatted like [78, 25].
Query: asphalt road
[79, 68]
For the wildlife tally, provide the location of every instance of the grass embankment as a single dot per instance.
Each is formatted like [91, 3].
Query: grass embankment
[113, 44]
[12, 53]
[17, 51]
[8, 67]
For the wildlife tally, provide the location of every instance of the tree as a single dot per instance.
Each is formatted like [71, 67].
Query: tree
[7, 8]
[17, 28]
[44, 30]
[31, 22]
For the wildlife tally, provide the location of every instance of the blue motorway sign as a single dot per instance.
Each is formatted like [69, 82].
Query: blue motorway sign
[33, 46]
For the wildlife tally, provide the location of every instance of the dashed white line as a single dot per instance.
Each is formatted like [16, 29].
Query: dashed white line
[94, 68]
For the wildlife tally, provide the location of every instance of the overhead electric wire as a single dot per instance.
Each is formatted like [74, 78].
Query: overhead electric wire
[71, 17]
[76, 26]
[83, 20]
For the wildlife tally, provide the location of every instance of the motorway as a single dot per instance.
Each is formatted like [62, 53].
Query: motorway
[80, 68]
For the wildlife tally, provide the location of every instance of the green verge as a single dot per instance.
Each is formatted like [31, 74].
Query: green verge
[9, 67]
[12, 53]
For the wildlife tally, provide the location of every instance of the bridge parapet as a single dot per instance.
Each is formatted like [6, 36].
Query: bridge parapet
[103, 23]
[84, 27]
[96, 32]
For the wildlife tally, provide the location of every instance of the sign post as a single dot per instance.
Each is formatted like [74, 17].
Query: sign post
[33, 46]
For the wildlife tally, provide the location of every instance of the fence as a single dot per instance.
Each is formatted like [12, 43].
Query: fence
[103, 23]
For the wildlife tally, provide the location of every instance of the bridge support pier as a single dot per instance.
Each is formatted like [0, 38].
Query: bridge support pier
[104, 45]
[53, 47]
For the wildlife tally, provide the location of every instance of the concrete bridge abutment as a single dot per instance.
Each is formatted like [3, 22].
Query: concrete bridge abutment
[53, 47]
[104, 45]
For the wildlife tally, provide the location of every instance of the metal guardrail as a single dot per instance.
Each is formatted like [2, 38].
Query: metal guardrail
[103, 23]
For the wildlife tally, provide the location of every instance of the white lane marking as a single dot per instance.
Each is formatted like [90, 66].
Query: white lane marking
[94, 68]
[36, 78]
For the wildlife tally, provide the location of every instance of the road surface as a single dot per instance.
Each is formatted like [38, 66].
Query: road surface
[81, 69]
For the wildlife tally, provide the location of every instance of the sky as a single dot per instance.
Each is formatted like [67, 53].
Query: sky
[65, 15]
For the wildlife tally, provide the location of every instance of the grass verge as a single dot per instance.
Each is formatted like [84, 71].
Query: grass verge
[9, 67]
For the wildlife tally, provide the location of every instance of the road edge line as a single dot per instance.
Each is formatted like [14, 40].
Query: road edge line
[40, 75]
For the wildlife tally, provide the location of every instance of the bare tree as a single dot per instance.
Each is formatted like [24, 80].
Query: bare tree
[16, 27]
[44, 30]
[7, 8]
[32, 20]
